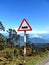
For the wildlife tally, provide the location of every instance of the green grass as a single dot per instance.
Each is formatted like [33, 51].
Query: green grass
[32, 60]
[29, 60]
[35, 60]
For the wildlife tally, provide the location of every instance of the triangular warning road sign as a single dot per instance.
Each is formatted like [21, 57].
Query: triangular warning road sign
[24, 26]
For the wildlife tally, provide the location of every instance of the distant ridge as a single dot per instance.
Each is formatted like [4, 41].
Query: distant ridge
[36, 40]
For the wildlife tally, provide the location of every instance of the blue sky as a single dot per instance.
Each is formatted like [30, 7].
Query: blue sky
[36, 13]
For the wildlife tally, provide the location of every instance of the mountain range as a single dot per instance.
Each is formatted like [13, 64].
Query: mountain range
[37, 39]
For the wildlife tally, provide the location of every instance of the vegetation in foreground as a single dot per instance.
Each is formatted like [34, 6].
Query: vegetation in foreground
[11, 54]
[9, 57]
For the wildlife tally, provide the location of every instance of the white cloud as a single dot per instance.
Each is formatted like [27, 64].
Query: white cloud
[33, 32]
[3, 32]
[35, 35]
[39, 32]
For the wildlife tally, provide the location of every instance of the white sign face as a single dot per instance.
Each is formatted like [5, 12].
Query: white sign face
[24, 26]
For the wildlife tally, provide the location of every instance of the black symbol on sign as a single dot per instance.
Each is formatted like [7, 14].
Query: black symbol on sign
[24, 27]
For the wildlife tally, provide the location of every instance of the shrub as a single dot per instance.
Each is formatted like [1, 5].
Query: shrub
[21, 52]
[9, 54]
[2, 47]
[34, 52]
[29, 51]
[16, 52]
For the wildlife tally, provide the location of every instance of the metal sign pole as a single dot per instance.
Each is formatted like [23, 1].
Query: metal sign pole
[24, 26]
[24, 46]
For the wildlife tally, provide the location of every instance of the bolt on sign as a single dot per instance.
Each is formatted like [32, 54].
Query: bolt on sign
[24, 26]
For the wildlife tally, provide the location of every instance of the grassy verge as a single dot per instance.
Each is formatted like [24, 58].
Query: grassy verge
[32, 60]
[37, 59]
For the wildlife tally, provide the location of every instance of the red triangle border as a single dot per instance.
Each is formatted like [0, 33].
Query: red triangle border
[27, 24]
